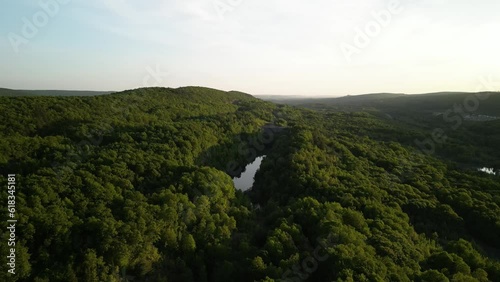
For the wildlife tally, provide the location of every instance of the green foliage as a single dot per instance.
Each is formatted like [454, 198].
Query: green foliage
[137, 185]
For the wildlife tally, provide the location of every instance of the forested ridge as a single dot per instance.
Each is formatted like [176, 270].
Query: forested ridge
[136, 186]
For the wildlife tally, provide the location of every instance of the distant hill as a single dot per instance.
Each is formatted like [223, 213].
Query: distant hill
[140, 185]
[17, 93]
[363, 99]
[279, 98]
[489, 104]
[349, 99]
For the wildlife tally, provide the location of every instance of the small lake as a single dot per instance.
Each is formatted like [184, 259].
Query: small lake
[245, 180]
[488, 170]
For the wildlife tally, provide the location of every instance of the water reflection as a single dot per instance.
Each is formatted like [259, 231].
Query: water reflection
[245, 181]
[488, 170]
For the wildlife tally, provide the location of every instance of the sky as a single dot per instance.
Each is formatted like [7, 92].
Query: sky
[266, 47]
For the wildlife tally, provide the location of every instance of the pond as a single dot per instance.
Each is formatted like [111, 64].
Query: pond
[487, 170]
[245, 181]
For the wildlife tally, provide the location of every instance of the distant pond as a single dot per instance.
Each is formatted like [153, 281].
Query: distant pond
[488, 170]
[245, 181]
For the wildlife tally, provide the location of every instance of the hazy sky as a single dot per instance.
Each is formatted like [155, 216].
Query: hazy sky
[292, 47]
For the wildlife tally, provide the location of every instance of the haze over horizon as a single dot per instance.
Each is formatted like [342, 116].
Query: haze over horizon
[260, 47]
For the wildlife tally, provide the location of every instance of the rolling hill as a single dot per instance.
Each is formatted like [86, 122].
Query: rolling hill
[12, 92]
[137, 185]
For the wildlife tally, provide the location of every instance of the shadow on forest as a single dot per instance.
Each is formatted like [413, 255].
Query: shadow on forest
[232, 157]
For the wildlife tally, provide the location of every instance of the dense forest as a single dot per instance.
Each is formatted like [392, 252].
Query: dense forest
[136, 186]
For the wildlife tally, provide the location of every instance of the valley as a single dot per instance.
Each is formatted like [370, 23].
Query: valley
[143, 184]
